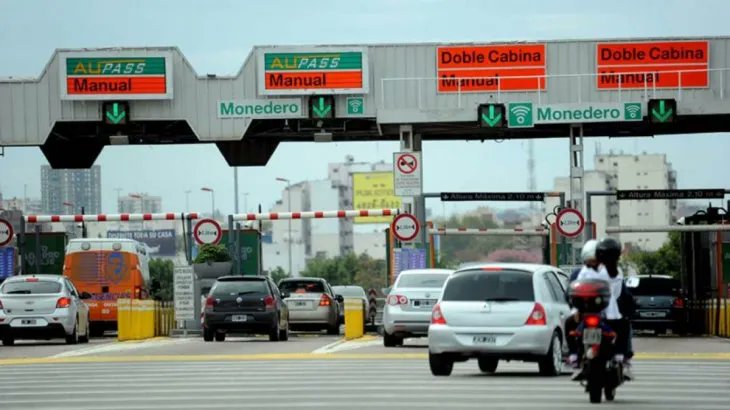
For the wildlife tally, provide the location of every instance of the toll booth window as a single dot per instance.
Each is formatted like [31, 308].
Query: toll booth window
[292, 286]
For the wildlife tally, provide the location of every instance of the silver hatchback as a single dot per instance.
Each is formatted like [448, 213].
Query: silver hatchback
[312, 304]
[500, 311]
[42, 307]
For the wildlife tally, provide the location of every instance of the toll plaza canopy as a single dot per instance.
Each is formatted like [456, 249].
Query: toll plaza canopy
[85, 99]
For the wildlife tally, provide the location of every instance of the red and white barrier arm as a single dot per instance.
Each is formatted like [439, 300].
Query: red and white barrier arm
[490, 231]
[668, 228]
[354, 213]
[170, 216]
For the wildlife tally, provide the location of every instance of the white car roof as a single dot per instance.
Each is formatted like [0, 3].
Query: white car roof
[22, 278]
[425, 271]
[530, 267]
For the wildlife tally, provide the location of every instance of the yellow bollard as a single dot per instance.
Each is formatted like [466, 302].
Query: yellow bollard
[354, 320]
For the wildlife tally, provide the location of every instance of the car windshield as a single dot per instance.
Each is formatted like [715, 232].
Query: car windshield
[301, 286]
[479, 285]
[354, 292]
[422, 280]
[31, 288]
[240, 287]
[654, 286]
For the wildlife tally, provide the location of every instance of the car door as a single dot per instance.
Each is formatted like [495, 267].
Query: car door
[79, 306]
[560, 306]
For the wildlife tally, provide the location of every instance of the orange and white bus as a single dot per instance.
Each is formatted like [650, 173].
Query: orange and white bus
[109, 269]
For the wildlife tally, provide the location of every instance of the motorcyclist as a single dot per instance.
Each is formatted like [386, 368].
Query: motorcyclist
[588, 254]
[618, 312]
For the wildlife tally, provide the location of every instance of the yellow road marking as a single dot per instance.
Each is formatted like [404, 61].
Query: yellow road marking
[304, 356]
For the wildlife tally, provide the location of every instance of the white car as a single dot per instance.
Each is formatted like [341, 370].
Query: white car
[407, 311]
[500, 311]
[42, 307]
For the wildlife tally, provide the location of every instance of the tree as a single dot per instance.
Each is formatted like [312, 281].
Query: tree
[278, 274]
[161, 279]
[667, 260]
[212, 253]
[349, 269]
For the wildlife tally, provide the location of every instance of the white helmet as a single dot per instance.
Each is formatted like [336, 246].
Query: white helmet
[589, 250]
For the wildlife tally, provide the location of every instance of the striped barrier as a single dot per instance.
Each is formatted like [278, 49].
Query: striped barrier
[169, 216]
[355, 213]
[490, 231]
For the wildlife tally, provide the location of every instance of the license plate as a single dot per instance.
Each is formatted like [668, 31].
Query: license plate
[28, 322]
[485, 340]
[427, 303]
[653, 314]
[301, 303]
[239, 318]
[592, 336]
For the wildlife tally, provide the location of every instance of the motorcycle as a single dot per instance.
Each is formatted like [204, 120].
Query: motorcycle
[602, 369]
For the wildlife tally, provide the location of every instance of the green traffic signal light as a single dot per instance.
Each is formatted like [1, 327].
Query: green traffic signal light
[662, 111]
[115, 112]
[491, 115]
[321, 107]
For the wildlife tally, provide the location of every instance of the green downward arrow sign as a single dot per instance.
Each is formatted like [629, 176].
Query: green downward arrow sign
[663, 114]
[115, 116]
[491, 119]
[322, 110]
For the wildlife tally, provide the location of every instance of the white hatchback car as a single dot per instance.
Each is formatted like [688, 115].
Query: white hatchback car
[501, 311]
[407, 311]
[42, 307]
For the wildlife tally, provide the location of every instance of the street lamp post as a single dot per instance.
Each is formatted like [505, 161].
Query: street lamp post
[288, 194]
[212, 200]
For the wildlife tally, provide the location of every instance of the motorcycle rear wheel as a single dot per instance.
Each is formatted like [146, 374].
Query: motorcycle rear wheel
[595, 379]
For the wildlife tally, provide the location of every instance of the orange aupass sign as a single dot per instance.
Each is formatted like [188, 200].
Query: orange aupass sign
[665, 64]
[491, 68]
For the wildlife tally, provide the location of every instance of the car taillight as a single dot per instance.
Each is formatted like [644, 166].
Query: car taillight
[31, 279]
[325, 300]
[209, 302]
[394, 300]
[592, 321]
[437, 317]
[678, 303]
[537, 316]
[1, 305]
[63, 303]
[269, 302]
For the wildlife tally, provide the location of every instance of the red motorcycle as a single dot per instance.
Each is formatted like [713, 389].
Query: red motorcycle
[603, 372]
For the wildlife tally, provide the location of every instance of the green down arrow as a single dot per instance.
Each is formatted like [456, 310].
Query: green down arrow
[321, 111]
[492, 119]
[663, 114]
[115, 116]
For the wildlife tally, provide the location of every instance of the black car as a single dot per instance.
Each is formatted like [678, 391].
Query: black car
[660, 305]
[245, 305]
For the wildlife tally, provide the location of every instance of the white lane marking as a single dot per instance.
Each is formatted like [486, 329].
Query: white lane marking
[121, 346]
[344, 345]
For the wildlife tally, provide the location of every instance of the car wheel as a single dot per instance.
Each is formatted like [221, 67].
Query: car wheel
[73, 338]
[220, 337]
[8, 341]
[333, 330]
[275, 332]
[488, 364]
[85, 337]
[440, 364]
[552, 363]
[389, 340]
[208, 334]
[284, 333]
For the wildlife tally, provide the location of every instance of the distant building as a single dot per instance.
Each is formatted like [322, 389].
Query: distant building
[626, 172]
[28, 206]
[139, 203]
[66, 191]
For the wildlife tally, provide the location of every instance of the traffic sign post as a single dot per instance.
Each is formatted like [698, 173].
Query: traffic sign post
[407, 174]
[207, 231]
[405, 227]
[6, 232]
[570, 222]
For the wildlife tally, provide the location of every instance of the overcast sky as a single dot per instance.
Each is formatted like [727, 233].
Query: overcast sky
[216, 37]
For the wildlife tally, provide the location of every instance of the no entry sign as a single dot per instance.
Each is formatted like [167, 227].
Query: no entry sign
[405, 227]
[6, 232]
[570, 222]
[207, 231]
[407, 174]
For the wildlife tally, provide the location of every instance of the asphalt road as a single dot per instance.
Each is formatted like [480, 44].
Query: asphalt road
[335, 382]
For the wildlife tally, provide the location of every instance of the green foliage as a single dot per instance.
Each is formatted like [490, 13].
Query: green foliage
[665, 261]
[278, 274]
[212, 253]
[350, 269]
[161, 279]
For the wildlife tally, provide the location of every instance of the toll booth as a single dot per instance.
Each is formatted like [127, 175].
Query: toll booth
[704, 278]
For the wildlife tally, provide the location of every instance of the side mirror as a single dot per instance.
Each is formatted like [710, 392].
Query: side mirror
[339, 298]
[85, 295]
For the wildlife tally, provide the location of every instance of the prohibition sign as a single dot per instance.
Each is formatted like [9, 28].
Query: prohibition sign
[6, 232]
[405, 227]
[207, 231]
[407, 164]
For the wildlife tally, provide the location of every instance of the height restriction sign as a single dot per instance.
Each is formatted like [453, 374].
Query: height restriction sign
[407, 174]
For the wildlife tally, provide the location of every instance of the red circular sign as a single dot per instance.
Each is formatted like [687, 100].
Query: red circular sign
[207, 231]
[570, 222]
[405, 227]
[6, 232]
[407, 164]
